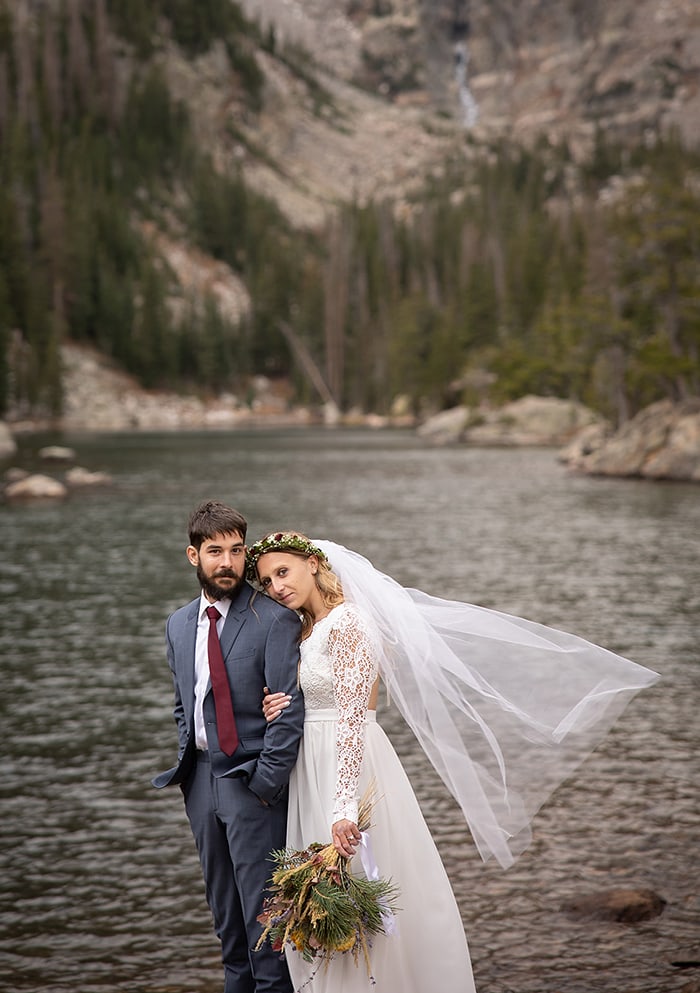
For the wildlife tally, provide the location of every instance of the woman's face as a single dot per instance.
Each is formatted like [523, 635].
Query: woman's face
[289, 579]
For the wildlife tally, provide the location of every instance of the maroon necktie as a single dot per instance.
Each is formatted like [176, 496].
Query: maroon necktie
[225, 721]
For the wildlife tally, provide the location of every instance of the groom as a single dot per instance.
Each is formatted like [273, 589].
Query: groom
[234, 770]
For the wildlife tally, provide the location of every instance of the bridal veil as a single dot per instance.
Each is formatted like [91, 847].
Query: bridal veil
[504, 708]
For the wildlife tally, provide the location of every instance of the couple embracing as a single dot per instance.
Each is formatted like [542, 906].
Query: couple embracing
[504, 708]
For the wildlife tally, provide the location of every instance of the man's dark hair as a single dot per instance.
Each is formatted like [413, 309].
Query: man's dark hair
[212, 518]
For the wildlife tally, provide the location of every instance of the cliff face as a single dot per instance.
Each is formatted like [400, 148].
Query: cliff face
[628, 66]
[519, 67]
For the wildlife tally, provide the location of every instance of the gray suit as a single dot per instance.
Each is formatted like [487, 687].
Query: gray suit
[237, 805]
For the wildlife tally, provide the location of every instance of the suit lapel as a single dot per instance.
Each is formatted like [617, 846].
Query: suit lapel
[232, 626]
[235, 620]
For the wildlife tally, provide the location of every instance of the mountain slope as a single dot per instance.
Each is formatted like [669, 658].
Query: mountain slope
[401, 238]
[559, 66]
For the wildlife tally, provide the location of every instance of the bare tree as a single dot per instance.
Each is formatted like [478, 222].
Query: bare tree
[26, 86]
[79, 68]
[51, 72]
[104, 63]
[336, 296]
[5, 103]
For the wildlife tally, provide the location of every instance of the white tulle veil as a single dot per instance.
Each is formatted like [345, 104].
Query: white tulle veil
[504, 708]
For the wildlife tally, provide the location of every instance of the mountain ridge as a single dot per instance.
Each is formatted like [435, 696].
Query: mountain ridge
[629, 70]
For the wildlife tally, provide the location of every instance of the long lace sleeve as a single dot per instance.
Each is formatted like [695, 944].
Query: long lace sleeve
[354, 666]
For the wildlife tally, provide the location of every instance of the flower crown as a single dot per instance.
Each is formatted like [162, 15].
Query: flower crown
[280, 541]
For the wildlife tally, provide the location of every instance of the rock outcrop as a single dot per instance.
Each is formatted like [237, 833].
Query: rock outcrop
[661, 442]
[102, 398]
[531, 420]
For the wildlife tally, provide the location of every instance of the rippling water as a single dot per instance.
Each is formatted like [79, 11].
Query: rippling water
[99, 883]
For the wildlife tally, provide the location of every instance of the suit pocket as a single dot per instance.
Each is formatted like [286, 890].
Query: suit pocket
[236, 655]
[252, 744]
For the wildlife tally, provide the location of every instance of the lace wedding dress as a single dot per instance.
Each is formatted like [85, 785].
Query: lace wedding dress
[343, 749]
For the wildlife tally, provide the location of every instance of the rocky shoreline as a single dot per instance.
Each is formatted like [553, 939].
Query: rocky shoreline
[661, 442]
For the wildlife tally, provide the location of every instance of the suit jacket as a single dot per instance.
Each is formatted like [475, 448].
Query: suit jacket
[260, 646]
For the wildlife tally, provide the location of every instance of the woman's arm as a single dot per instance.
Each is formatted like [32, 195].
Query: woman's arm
[354, 670]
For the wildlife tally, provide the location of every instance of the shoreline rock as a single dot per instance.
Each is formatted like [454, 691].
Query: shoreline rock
[57, 453]
[661, 442]
[547, 422]
[78, 476]
[36, 486]
[22, 485]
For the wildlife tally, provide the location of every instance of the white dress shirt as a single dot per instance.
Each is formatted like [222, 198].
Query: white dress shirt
[201, 664]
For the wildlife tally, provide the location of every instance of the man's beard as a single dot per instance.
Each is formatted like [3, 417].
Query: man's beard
[212, 589]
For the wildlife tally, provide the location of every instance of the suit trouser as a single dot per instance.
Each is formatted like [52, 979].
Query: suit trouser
[235, 833]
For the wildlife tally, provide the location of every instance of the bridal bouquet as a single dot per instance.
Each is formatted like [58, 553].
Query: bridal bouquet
[320, 907]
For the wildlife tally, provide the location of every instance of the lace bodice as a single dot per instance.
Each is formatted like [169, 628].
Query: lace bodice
[337, 671]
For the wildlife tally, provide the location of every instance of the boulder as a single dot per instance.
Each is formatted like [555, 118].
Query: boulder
[446, 427]
[628, 906]
[686, 958]
[532, 420]
[584, 443]
[56, 453]
[679, 457]
[661, 442]
[36, 487]
[78, 476]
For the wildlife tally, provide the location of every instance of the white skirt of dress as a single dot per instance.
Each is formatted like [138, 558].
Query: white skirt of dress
[428, 951]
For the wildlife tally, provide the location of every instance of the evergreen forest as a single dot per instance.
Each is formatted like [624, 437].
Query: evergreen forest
[517, 272]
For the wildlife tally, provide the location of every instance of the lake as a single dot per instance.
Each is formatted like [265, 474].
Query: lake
[100, 885]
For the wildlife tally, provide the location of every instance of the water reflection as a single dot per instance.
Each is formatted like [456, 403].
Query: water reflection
[100, 884]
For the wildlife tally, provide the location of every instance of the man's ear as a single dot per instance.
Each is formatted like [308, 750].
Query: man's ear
[193, 555]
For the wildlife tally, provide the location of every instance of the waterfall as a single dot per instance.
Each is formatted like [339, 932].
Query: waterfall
[470, 108]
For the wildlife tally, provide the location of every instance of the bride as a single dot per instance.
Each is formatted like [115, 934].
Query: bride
[504, 708]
